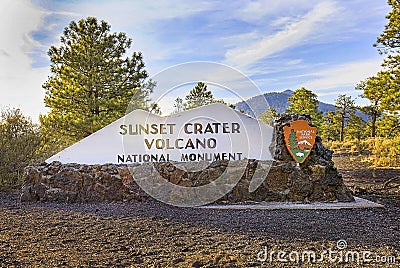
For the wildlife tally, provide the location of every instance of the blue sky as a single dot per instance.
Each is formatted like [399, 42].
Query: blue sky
[324, 45]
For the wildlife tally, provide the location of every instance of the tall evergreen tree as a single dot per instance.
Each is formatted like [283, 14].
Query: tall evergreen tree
[375, 89]
[389, 40]
[389, 125]
[179, 105]
[355, 128]
[332, 127]
[345, 109]
[199, 96]
[389, 43]
[391, 101]
[383, 89]
[304, 101]
[92, 82]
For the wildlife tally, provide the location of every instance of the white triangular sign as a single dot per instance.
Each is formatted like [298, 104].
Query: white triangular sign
[212, 132]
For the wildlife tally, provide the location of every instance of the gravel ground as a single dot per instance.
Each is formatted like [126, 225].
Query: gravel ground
[152, 234]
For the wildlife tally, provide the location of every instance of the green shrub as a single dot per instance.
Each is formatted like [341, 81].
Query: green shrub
[19, 143]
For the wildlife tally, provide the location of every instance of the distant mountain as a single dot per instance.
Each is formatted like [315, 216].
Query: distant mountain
[258, 104]
[279, 101]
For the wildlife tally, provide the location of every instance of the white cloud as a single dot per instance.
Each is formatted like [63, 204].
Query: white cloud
[295, 33]
[129, 12]
[282, 22]
[19, 82]
[344, 75]
[255, 11]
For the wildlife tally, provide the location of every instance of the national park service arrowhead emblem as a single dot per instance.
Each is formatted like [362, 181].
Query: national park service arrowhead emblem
[299, 139]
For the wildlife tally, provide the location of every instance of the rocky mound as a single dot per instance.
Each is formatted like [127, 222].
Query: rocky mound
[79, 183]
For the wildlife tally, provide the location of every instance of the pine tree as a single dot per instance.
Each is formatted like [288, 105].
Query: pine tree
[179, 105]
[304, 101]
[389, 40]
[332, 127]
[92, 83]
[375, 89]
[388, 126]
[199, 96]
[345, 109]
[355, 129]
[389, 43]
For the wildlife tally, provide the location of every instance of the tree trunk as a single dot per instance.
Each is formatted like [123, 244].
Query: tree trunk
[373, 124]
[342, 129]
